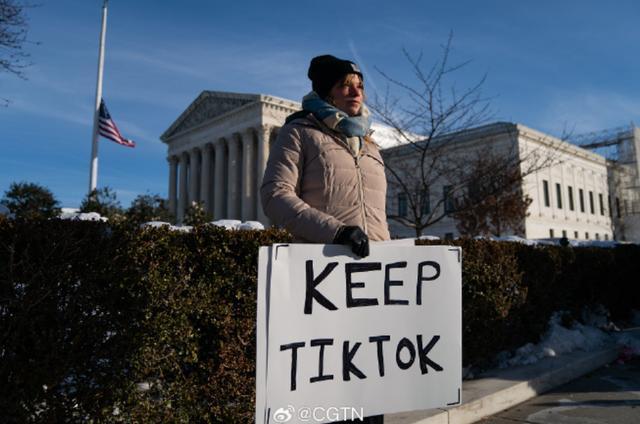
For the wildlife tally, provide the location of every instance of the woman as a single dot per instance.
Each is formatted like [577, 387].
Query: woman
[325, 179]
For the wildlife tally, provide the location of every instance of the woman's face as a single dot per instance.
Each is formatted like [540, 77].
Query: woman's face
[348, 94]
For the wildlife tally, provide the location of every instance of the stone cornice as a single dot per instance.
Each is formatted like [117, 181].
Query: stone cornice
[279, 103]
[209, 105]
[469, 137]
[560, 145]
[246, 102]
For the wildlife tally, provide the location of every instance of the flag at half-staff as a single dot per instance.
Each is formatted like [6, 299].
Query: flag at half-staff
[108, 128]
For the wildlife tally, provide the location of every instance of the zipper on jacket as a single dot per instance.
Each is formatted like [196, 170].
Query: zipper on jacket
[361, 192]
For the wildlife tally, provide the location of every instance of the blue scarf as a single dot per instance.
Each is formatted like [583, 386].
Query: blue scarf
[334, 118]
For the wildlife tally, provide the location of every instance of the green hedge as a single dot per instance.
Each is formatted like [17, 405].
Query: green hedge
[118, 324]
[510, 290]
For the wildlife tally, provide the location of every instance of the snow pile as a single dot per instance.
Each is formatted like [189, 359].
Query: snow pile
[182, 228]
[75, 215]
[234, 224]
[516, 239]
[251, 225]
[161, 224]
[576, 243]
[556, 341]
[428, 238]
[552, 241]
[229, 224]
[155, 224]
[598, 317]
[594, 243]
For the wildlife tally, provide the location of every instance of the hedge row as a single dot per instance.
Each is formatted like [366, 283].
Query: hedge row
[117, 324]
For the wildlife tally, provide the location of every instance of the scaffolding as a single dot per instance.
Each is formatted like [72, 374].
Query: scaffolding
[621, 147]
[612, 143]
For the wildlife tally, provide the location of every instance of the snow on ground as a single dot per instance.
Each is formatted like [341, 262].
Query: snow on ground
[559, 340]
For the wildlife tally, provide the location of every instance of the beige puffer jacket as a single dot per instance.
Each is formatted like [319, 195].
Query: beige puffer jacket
[313, 184]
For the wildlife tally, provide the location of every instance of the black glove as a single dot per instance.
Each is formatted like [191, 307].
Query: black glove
[356, 238]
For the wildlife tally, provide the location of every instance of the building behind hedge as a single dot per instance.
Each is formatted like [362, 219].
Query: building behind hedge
[218, 148]
[578, 194]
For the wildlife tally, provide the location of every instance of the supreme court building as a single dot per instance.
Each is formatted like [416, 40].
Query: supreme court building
[218, 149]
[219, 146]
[217, 152]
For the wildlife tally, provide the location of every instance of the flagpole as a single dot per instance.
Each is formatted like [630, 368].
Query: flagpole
[93, 176]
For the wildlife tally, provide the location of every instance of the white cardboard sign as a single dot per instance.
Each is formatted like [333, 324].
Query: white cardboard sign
[341, 337]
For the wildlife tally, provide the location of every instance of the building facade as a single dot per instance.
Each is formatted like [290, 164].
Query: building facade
[218, 148]
[217, 152]
[575, 192]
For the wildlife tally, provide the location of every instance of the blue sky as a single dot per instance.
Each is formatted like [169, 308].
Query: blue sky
[549, 64]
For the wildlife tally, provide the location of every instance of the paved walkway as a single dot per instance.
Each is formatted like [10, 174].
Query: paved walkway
[491, 396]
[610, 395]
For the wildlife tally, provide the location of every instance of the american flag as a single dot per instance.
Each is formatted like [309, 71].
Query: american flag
[108, 129]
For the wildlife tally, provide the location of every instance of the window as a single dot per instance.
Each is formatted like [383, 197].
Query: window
[600, 198]
[575, 235]
[551, 235]
[545, 187]
[570, 198]
[592, 207]
[597, 236]
[559, 195]
[618, 207]
[606, 236]
[425, 203]
[447, 196]
[609, 204]
[402, 204]
[586, 236]
[581, 198]
[564, 233]
[448, 236]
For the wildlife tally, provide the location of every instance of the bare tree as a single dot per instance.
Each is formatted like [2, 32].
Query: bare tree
[431, 116]
[13, 36]
[494, 202]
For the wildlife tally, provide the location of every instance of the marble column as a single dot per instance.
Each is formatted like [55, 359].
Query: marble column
[235, 167]
[248, 176]
[205, 178]
[173, 169]
[219, 193]
[183, 198]
[264, 139]
[194, 176]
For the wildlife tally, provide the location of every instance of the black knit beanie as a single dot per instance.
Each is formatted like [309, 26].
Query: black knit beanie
[326, 70]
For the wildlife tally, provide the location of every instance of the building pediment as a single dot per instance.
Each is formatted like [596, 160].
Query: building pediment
[209, 105]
